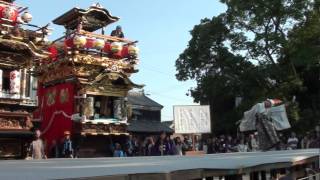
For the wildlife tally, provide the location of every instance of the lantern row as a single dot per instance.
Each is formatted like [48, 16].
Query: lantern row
[11, 13]
[117, 50]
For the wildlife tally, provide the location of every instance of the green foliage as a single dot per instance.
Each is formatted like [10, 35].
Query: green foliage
[256, 50]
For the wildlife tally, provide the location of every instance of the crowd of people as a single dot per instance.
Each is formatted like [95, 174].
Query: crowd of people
[164, 144]
[168, 145]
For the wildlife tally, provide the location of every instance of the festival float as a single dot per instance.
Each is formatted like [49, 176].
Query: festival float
[20, 49]
[83, 86]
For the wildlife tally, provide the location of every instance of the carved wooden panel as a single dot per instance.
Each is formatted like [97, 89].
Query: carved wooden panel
[104, 128]
[55, 73]
[11, 123]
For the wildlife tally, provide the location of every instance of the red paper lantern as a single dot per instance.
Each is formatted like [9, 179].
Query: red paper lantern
[10, 13]
[107, 47]
[125, 52]
[53, 53]
[1, 10]
[68, 42]
[89, 43]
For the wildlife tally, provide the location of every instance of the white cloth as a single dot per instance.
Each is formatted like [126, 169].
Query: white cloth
[277, 114]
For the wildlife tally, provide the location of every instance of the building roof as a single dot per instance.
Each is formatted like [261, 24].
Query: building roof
[139, 100]
[143, 126]
[92, 18]
[169, 124]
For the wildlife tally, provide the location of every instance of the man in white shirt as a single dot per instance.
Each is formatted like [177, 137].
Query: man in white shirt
[292, 141]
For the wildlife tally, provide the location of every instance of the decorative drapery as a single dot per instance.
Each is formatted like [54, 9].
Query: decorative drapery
[56, 108]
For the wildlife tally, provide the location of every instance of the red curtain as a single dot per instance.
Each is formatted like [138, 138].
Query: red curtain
[55, 109]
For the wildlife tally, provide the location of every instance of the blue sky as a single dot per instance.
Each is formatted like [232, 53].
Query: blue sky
[162, 28]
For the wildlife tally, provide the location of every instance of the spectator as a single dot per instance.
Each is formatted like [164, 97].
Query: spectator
[117, 32]
[292, 142]
[305, 142]
[170, 146]
[230, 145]
[215, 144]
[149, 146]
[160, 146]
[187, 143]
[222, 144]
[283, 142]
[253, 144]
[178, 146]
[314, 141]
[118, 151]
[67, 148]
[37, 147]
[130, 146]
[242, 146]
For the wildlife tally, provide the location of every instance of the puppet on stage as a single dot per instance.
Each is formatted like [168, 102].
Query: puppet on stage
[266, 118]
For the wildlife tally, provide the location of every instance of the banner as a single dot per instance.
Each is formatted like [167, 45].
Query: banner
[192, 119]
[56, 105]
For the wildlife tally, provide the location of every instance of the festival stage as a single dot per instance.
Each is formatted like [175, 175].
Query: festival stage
[146, 168]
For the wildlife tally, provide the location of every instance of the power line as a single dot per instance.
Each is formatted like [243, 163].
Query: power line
[166, 96]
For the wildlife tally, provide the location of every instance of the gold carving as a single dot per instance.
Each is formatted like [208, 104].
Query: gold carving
[51, 97]
[64, 95]
[10, 124]
[104, 128]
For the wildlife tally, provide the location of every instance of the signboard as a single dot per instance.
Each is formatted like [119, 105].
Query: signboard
[192, 119]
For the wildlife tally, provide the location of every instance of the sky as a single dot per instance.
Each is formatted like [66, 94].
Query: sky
[162, 28]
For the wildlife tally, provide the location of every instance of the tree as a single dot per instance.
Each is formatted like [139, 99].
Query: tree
[254, 50]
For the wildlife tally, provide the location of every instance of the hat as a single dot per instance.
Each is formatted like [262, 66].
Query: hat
[118, 27]
[67, 133]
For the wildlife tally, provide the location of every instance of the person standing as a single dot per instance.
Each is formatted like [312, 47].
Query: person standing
[292, 142]
[37, 147]
[242, 146]
[149, 147]
[170, 146]
[160, 146]
[117, 32]
[305, 142]
[130, 146]
[253, 143]
[118, 151]
[67, 148]
[178, 146]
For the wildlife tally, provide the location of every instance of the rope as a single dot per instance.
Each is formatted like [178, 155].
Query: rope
[52, 117]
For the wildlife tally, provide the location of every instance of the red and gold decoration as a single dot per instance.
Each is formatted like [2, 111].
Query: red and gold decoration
[87, 67]
[56, 116]
[64, 95]
[9, 13]
[51, 97]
